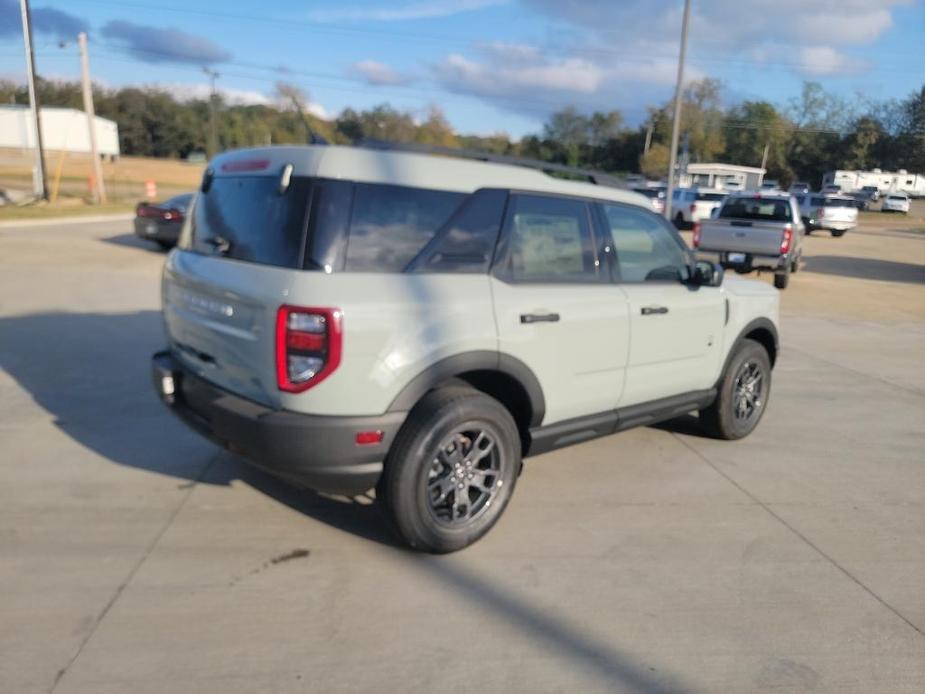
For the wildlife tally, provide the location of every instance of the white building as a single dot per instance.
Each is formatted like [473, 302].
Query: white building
[62, 129]
[717, 175]
[887, 181]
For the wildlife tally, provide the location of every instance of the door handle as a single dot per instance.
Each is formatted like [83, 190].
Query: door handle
[539, 317]
[654, 310]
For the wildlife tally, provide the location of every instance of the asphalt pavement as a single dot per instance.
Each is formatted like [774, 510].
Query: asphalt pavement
[137, 557]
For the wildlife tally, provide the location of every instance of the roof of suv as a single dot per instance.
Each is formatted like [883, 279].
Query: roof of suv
[409, 169]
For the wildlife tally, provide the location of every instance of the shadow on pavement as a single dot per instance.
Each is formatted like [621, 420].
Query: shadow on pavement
[865, 268]
[90, 372]
[686, 424]
[617, 669]
[132, 241]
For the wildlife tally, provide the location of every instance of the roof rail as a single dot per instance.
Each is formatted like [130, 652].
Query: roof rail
[597, 177]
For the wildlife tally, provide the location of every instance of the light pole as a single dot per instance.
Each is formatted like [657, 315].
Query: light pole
[676, 123]
[39, 182]
[213, 135]
[99, 190]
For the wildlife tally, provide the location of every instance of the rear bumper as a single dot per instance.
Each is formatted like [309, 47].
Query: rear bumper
[319, 452]
[835, 226]
[155, 230]
[752, 261]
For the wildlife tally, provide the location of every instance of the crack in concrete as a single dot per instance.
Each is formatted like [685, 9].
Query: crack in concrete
[800, 535]
[131, 574]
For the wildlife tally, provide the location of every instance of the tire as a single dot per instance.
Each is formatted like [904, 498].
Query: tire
[419, 486]
[164, 245]
[720, 420]
[782, 277]
[795, 265]
[838, 233]
[679, 221]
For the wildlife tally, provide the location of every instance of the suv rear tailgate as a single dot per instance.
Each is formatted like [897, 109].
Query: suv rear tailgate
[220, 320]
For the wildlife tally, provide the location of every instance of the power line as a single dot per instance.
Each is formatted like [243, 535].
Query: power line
[444, 38]
[726, 124]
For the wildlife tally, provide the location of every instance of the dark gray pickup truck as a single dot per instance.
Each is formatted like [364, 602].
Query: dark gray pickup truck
[755, 232]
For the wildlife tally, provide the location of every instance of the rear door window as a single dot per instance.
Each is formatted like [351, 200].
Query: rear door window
[247, 218]
[391, 224]
[467, 242]
[549, 239]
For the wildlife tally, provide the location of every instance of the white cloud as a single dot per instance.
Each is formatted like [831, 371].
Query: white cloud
[810, 38]
[622, 54]
[825, 60]
[519, 77]
[319, 111]
[570, 75]
[376, 73]
[417, 10]
[236, 97]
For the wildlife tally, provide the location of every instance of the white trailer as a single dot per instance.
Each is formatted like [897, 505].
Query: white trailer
[886, 181]
[63, 129]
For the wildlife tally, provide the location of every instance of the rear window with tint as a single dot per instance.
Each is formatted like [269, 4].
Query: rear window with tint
[391, 224]
[650, 192]
[711, 197]
[246, 218]
[896, 198]
[835, 202]
[758, 209]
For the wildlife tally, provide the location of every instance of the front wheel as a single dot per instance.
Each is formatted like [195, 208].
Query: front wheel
[452, 469]
[679, 221]
[742, 395]
[838, 233]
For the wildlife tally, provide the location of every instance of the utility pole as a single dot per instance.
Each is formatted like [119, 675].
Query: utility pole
[764, 157]
[39, 182]
[99, 189]
[645, 149]
[676, 124]
[213, 135]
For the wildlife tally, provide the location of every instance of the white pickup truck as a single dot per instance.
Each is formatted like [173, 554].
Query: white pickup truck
[755, 231]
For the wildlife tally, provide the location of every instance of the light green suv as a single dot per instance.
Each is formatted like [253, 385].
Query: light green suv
[358, 318]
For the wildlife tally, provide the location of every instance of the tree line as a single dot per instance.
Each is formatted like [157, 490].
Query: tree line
[811, 134]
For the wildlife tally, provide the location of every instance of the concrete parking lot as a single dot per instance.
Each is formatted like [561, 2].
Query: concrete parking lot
[134, 556]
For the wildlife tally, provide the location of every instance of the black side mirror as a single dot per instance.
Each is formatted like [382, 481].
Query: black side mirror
[707, 274]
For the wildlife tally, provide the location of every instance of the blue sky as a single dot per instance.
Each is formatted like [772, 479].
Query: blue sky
[491, 65]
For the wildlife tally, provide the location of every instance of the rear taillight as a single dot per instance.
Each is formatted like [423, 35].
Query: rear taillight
[308, 346]
[820, 213]
[693, 207]
[696, 239]
[173, 214]
[787, 240]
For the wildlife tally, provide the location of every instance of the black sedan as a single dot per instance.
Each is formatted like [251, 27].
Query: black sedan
[161, 222]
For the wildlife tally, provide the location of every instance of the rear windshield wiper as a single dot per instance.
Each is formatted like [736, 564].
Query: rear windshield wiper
[219, 244]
